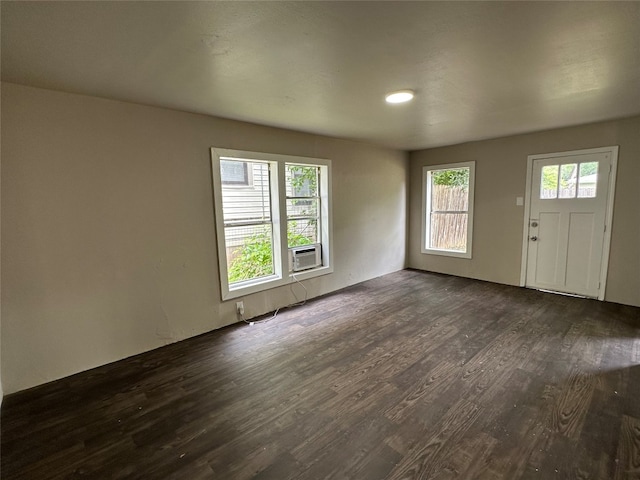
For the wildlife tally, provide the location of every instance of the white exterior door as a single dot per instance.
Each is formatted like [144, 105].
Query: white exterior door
[567, 222]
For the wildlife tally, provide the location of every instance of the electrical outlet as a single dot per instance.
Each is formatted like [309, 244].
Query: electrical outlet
[240, 308]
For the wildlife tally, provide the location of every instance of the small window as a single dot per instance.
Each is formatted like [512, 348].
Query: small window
[569, 180]
[588, 180]
[448, 209]
[549, 182]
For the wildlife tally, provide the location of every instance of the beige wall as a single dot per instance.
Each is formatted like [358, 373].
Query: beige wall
[1, 390]
[498, 222]
[108, 241]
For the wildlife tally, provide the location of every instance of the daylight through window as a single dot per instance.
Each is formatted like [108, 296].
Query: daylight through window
[303, 204]
[248, 225]
[569, 180]
[448, 209]
[276, 225]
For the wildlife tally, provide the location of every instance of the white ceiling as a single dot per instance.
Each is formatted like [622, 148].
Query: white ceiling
[480, 69]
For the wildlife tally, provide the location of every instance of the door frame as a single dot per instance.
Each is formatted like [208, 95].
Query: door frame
[613, 150]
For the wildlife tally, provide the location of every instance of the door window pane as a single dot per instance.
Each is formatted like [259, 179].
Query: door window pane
[588, 180]
[568, 180]
[549, 182]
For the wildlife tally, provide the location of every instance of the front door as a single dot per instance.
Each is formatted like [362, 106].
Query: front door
[567, 222]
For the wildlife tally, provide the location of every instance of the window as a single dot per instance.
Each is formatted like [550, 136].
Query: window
[285, 204]
[248, 222]
[569, 180]
[448, 209]
[234, 172]
[303, 202]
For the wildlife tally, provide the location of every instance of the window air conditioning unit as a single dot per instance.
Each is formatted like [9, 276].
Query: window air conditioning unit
[305, 257]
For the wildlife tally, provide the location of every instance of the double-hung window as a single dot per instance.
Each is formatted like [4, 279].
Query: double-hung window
[447, 212]
[266, 205]
[304, 221]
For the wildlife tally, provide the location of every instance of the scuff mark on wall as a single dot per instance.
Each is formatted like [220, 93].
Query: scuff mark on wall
[164, 331]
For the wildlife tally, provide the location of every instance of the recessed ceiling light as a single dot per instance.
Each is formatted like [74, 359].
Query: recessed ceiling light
[399, 96]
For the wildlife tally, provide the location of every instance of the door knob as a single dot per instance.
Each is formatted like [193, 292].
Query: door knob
[533, 239]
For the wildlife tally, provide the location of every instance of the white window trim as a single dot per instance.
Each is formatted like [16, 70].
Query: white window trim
[426, 207]
[282, 276]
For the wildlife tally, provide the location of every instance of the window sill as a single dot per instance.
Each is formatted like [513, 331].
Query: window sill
[273, 281]
[446, 253]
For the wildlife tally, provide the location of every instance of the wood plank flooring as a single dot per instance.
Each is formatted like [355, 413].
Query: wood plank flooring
[408, 376]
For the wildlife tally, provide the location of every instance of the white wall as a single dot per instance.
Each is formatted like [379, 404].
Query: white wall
[108, 241]
[501, 176]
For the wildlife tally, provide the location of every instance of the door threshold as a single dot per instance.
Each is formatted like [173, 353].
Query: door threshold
[562, 293]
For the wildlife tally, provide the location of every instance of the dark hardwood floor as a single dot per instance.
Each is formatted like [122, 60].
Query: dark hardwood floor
[407, 376]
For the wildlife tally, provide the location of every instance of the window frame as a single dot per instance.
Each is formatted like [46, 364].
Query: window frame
[281, 275]
[426, 209]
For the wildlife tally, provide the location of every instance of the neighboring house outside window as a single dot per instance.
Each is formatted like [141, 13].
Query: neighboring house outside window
[266, 205]
[234, 172]
[448, 209]
[247, 218]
